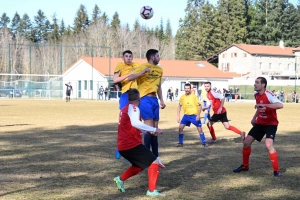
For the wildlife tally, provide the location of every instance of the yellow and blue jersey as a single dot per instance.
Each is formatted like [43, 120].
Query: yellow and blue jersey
[124, 69]
[150, 81]
[190, 104]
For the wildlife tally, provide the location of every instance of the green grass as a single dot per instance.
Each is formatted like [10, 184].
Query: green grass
[58, 150]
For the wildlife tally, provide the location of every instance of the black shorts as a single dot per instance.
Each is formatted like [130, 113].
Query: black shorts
[68, 93]
[259, 131]
[222, 117]
[139, 156]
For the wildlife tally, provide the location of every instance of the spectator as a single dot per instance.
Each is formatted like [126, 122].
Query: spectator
[176, 94]
[100, 93]
[294, 95]
[277, 94]
[171, 94]
[236, 93]
[230, 94]
[168, 94]
[106, 93]
[281, 96]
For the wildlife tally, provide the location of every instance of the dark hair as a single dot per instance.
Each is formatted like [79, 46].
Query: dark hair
[127, 51]
[187, 84]
[151, 52]
[207, 83]
[133, 94]
[263, 80]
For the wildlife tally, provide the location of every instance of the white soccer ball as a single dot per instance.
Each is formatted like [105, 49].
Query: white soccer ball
[146, 12]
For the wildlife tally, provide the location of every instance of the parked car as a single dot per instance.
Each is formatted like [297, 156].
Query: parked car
[10, 91]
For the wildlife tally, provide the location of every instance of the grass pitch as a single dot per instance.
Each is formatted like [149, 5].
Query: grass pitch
[59, 150]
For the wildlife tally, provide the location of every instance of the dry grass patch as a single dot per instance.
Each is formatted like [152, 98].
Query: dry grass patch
[59, 150]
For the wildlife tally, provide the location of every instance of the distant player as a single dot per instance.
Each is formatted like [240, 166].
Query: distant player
[148, 76]
[131, 147]
[216, 100]
[121, 74]
[68, 91]
[206, 106]
[264, 122]
[192, 109]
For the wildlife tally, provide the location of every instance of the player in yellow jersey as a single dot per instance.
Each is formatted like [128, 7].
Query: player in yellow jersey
[148, 77]
[192, 109]
[121, 73]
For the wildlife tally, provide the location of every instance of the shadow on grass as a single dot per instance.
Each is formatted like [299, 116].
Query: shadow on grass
[78, 162]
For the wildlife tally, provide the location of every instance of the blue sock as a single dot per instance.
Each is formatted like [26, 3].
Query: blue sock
[180, 138]
[118, 155]
[202, 137]
[205, 117]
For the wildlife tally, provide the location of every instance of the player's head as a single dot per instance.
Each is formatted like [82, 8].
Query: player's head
[134, 96]
[260, 84]
[127, 57]
[207, 86]
[187, 88]
[152, 56]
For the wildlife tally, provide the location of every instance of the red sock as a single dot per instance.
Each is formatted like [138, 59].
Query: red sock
[232, 128]
[153, 174]
[131, 171]
[246, 156]
[212, 132]
[274, 160]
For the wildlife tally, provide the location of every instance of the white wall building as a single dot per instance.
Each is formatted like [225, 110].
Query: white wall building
[89, 73]
[272, 62]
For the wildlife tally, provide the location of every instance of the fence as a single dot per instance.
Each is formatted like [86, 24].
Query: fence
[36, 71]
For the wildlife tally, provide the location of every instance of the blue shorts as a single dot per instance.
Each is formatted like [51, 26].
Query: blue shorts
[123, 101]
[149, 108]
[204, 102]
[188, 119]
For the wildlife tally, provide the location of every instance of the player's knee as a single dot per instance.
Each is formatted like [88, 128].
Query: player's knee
[269, 145]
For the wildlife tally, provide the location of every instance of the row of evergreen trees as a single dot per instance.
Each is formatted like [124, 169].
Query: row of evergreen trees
[206, 29]
[42, 30]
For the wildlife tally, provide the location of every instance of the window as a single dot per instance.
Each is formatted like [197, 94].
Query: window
[224, 55]
[233, 55]
[279, 65]
[91, 85]
[225, 67]
[270, 66]
[288, 67]
[85, 85]
[244, 54]
[260, 66]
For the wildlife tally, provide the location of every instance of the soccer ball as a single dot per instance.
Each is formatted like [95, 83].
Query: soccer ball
[146, 12]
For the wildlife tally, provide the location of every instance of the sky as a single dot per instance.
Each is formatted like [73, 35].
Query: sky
[128, 10]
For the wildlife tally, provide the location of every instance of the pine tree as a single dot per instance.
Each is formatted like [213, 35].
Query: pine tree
[104, 18]
[4, 21]
[41, 27]
[26, 28]
[115, 22]
[81, 21]
[96, 14]
[188, 29]
[230, 23]
[55, 33]
[15, 24]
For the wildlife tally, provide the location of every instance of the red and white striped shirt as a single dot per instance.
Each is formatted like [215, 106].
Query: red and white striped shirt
[266, 116]
[130, 126]
[215, 101]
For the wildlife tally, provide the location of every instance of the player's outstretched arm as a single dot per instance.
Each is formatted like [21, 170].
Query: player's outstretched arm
[118, 78]
[134, 115]
[135, 76]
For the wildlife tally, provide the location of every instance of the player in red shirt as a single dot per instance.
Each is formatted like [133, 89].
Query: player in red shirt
[264, 122]
[130, 131]
[216, 100]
